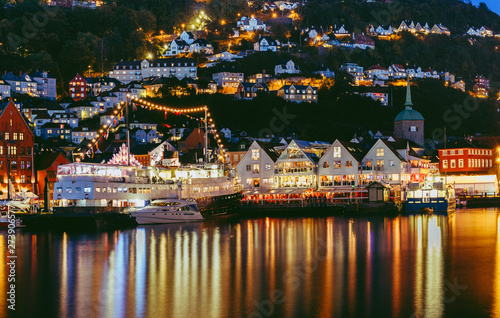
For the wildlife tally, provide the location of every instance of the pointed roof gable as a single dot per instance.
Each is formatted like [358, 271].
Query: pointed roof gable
[10, 105]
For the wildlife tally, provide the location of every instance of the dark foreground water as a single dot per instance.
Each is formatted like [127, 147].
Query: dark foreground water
[415, 266]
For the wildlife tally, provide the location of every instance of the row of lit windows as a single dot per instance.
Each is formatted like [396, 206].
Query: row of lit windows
[470, 152]
[472, 163]
[15, 135]
[337, 164]
[23, 165]
[12, 150]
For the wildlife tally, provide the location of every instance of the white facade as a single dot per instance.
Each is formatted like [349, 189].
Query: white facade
[250, 24]
[288, 68]
[127, 72]
[46, 85]
[266, 43]
[228, 79]
[381, 163]
[256, 169]
[355, 70]
[338, 168]
[79, 134]
[377, 72]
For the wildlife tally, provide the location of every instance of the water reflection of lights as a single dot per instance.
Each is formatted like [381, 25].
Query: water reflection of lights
[434, 289]
[495, 310]
[140, 272]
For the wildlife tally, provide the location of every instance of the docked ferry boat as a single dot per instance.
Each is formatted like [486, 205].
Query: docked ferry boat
[431, 195]
[109, 188]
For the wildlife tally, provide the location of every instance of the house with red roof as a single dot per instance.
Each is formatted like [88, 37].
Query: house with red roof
[377, 72]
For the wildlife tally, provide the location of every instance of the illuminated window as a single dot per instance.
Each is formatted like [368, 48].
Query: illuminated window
[348, 164]
[256, 168]
[7, 136]
[326, 164]
[336, 152]
[460, 163]
[255, 154]
[380, 152]
[452, 163]
[337, 164]
[14, 136]
[445, 164]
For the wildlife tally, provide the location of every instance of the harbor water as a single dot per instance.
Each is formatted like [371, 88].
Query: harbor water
[374, 266]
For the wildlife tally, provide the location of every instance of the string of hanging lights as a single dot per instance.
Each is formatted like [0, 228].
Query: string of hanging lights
[104, 131]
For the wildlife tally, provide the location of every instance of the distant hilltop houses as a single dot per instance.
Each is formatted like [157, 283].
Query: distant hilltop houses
[423, 29]
[408, 26]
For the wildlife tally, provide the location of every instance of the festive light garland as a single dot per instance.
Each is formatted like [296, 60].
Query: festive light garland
[105, 129]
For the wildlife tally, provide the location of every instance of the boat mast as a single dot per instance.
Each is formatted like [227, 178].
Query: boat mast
[206, 134]
[128, 128]
[445, 177]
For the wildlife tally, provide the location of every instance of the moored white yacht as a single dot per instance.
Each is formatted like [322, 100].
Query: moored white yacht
[168, 211]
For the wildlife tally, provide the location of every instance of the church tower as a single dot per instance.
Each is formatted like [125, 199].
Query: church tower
[409, 123]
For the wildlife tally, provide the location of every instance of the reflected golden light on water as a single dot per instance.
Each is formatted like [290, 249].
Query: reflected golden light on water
[63, 260]
[352, 268]
[434, 284]
[495, 310]
[396, 279]
[327, 295]
[419, 275]
[152, 285]
[3, 274]
[326, 267]
[140, 272]
[249, 270]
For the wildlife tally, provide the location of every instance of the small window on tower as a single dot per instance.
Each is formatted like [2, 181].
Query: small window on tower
[413, 128]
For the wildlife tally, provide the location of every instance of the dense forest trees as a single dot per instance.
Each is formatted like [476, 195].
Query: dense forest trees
[70, 41]
[65, 42]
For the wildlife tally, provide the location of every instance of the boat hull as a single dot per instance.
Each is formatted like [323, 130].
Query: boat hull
[165, 218]
[220, 206]
[438, 205]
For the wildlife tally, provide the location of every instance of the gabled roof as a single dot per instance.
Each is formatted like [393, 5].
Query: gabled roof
[269, 149]
[391, 148]
[354, 149]
[144, 149]
[4, 106]
[81, 103]
[40, 74]
[129, 63]
[41, 114]
[377, 67]
[45, 159]
[56, 125]
[201, 42]
[269, 40]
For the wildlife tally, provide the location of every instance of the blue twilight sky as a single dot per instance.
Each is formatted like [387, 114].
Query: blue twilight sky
[493, 5]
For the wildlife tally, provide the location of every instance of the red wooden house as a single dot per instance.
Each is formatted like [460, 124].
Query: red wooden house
[78, 88]
[16, 149]
[46, 166]
[462, 157]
